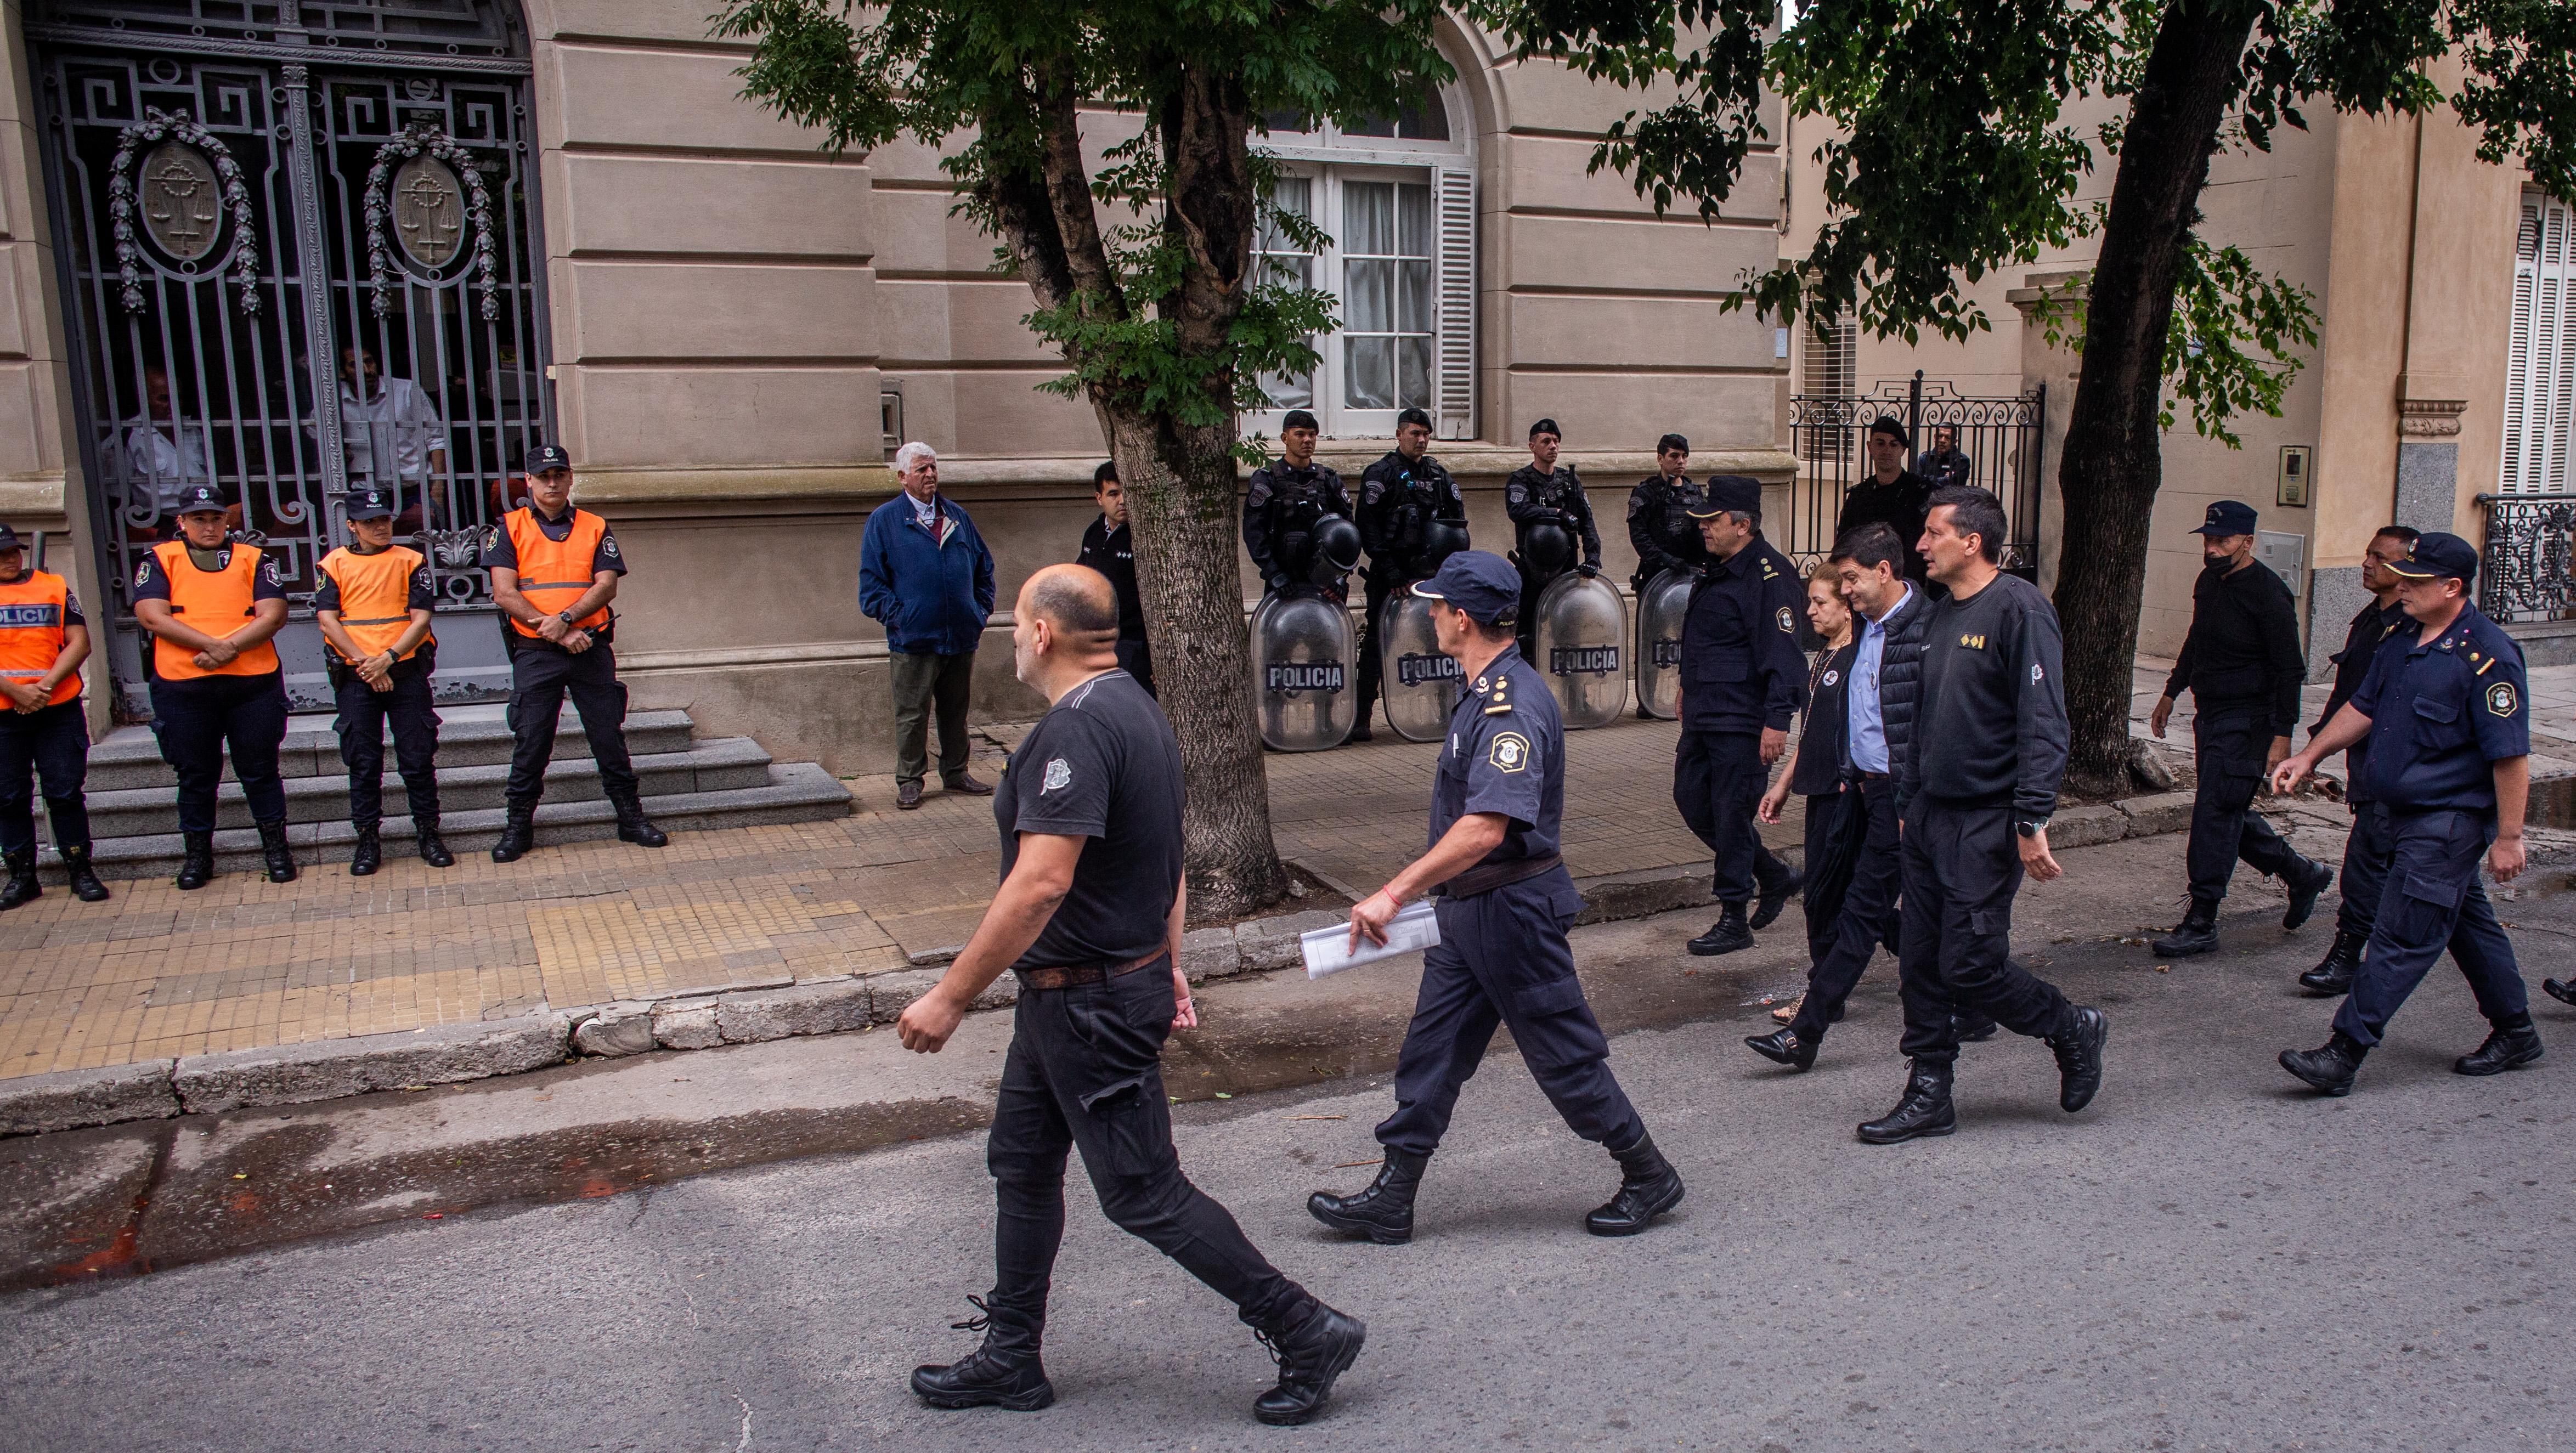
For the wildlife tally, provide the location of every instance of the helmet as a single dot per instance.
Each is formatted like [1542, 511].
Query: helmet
[1547, 548]
[1337, 545]
[1440, 540]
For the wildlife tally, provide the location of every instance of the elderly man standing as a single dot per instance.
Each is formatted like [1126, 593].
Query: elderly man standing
[925, 576]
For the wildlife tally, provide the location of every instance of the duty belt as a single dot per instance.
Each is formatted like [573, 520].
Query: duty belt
[1486, 877]
[1071, 975]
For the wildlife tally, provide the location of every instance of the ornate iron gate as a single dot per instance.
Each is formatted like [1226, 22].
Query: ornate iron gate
[1829, 437]
[260, 205]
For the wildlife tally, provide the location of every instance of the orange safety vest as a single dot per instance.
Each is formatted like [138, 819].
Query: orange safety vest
[32, 615]
[375, 596]
[212, 601]
[555, 573]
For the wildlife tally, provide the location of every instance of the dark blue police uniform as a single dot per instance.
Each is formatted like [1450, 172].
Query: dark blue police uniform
[2367, 850]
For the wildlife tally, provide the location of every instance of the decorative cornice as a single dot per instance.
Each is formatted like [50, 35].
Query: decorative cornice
[2430, 418]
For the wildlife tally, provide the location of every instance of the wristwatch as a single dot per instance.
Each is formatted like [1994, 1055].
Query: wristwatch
[2031, 828]
[564, 616]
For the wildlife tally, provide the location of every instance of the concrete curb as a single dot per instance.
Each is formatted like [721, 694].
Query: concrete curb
[292, 1074]
[71, 1099]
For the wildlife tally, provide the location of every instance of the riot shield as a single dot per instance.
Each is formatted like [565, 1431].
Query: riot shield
[1582, 630]
[1661, 607]
[1421, 686]
[1302, 671]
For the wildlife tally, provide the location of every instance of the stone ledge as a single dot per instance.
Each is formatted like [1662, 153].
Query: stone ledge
[71, 1099]
[2160, 813]
[330, 1069]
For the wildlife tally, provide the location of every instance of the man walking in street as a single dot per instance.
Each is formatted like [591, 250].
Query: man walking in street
[1090, 915]
[2366, 851]
[1401, 497]
[925, 576]
[2242, 664]
[1109, 547]
[1892, 495]
[1973, 818]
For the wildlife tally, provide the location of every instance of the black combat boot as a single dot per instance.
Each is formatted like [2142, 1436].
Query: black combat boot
[1924, 1109]
[1648, 1187]
[1360, 729]
[2333, 973]
[634, 827]
[197, 865]
[1974, 1026]
[2079, 1058]
[2306, 879]
[84, 877]
[2329, 1067]
[1313, 1346]
[518, 833]
[2510, 1046]
[2196, 934]
[1384, 1211]
[1773, 896]
[1002, 1373]
[433, 848]
[1729, 934]
[369, 855]
[1782, 1047]
[274, 852]
[22, 886]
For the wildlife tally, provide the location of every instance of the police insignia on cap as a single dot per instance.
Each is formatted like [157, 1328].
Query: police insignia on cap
[2501, 700]
[1510, 752]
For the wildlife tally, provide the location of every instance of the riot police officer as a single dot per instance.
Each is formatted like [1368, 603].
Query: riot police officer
[1497, 806]
[1743, 680]
[373, 608]
[2447, 711]
[1401, 496]
[43, 737]
[1545, 493]
[1660, 526]
[555, 568]
[2365, 851]
[1288, 497]
[2242, 664]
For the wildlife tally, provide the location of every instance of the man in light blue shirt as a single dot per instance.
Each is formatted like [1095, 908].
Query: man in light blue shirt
[1868, 726]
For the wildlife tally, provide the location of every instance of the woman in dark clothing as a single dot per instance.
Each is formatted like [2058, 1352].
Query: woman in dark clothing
[1815, 769]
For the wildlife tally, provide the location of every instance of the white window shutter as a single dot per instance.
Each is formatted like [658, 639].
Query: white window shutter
[1456, 204]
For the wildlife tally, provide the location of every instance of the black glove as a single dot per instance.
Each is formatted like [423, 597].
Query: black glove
[1588, 569]
[1280, 581]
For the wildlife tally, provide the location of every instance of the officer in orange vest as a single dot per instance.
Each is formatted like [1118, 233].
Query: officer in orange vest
[554, 571]
[43, 640]
[374, 611]
[211, 603]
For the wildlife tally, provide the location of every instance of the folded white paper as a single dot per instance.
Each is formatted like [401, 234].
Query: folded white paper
[1414, 928]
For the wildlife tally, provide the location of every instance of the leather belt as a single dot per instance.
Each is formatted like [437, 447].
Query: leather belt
[1486, 877]
[1071, 975]
[1870, 776]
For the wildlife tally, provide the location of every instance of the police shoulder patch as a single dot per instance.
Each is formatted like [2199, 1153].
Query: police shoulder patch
[1788, 622]
[2502, 699]
[1059, 774]
[1509, 751]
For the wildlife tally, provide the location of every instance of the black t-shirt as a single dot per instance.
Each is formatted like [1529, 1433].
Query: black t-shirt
[1103, 765]
[1113, 553]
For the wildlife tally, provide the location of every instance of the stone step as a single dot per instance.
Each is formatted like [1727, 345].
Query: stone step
[469, 735]
[717, 765]
[790, 792]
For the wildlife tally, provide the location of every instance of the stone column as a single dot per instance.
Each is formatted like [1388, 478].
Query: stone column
[2056, 366]
[2429, 407]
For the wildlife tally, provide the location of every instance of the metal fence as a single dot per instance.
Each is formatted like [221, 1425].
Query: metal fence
[1829, 436]
[2529, 573]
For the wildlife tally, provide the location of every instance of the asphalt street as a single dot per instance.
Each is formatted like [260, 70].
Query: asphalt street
[2209, 1257]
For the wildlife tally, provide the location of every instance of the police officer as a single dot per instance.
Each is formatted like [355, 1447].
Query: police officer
[1287, 497]
[1973, 816]
[2242, 664]
[2446, 709]
[1506, 901]
[1542, 492]
[1401, 495]
[374, 610]
[1660, 527]
[1743, 680]
[2366, 851]
[554, 570]
[43, 736]
[1892, 495]
[1090, 915]
[1109, 547]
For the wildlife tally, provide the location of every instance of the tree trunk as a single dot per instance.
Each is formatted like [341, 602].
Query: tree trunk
[2112, 462]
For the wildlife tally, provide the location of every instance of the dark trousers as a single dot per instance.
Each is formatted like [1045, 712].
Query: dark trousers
[1503, 959]
[2365, 869]
[1136, 658]
[539, 678]
[1866, 915]
[1085, 1070]
[364, 711]
[1718, 778]
[1962, 866]
[197, 719]
[1527, 628]
[2228, 746]
[1378, 591]
[2433, 901]
[51, 745]
[922, 681]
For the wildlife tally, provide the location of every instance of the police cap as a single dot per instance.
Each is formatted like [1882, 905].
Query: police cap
[2438, 556]
[367, 504]
[2228, 517]
[1888, 424]
[9, 539]
[1730, 494]
[201, 499]
[544, 457]
[1546, 426]
[1299, 419]
[1479, 582]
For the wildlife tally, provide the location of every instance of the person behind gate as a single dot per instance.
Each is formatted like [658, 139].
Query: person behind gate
[374, 612]
[43, 737]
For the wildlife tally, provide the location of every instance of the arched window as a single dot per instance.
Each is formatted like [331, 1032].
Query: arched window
[1397, 198]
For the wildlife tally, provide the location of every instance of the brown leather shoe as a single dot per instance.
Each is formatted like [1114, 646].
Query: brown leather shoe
[907, 796]
[965, 782]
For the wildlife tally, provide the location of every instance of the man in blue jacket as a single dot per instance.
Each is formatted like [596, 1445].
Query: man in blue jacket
[925, 576]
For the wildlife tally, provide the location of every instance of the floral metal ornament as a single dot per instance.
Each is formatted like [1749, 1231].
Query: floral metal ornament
[424, 139]
[182, 148]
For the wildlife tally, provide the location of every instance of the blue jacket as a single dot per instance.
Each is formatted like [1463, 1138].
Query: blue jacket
[929, 596]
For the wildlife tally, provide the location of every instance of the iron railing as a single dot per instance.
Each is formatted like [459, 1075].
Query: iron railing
[2529, 573]
[1829, 436]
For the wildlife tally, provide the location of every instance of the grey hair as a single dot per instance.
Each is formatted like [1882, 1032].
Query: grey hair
[1749, 519]
[913, 453]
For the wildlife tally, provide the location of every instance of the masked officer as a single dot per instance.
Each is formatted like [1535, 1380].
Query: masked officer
[554, 570]
[1109, 546]
[43, 736]
[1506, 902]
[374, 611]
[1287, 497]
[2242, 664]
[2366, 851]
[212, 603]
[1543, 492]
[1743, 680]
[2446, 709]
[1400, 496]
